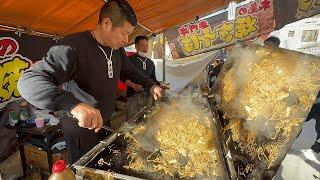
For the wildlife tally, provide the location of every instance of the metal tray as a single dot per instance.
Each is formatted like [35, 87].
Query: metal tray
[87, 166]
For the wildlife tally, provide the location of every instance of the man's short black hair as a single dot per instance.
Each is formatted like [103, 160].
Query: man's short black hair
[272, 40]
[118, 11]
[139, 38]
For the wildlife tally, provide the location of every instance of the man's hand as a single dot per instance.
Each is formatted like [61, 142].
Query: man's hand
[137, 87]
[156, 92]
[87, 116]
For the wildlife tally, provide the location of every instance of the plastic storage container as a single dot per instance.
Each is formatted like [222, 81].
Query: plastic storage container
[61, 172]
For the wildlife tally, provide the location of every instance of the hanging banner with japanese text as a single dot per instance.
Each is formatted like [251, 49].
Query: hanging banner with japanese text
[252, 19]
[289, 11]
[17, 54]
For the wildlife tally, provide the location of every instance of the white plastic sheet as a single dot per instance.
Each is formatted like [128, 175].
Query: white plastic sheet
[301, 163]
[179, 73]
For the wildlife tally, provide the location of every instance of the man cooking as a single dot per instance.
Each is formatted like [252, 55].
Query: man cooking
[137, 96]
[94, 60]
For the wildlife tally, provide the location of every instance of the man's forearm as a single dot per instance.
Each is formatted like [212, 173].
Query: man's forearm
[129, 83]
[128, 70]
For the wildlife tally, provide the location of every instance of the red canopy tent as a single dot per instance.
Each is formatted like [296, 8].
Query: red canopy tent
[63, 17]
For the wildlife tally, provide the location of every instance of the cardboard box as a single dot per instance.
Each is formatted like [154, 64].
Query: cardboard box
[11, 168]
[38, 157]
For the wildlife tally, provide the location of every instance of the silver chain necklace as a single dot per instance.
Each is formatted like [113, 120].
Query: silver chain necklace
[144, 64]
[109, 59]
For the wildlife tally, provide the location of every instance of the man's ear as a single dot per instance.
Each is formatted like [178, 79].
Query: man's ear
[107, 24]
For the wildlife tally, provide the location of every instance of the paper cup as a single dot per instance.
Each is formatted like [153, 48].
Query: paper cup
[39, 122]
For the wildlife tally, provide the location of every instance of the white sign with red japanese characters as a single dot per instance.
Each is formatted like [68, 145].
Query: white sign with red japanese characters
[253, 19]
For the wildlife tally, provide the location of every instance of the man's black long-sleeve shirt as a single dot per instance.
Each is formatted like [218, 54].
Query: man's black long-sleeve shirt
[137, 62]
[77, 57]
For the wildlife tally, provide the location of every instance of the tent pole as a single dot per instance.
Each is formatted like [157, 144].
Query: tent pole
[164, 59]
[37, 33]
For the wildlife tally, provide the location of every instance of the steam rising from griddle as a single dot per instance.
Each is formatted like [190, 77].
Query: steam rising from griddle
[269, 92]
[179, 138]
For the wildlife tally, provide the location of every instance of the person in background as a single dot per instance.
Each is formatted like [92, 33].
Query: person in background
[137, 96]
[315, 114]
[142, 63]
[93, 60]
[272, 41]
